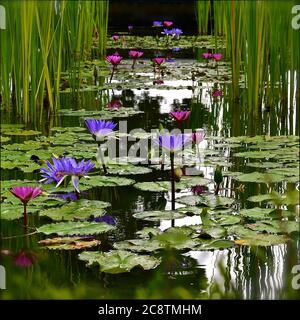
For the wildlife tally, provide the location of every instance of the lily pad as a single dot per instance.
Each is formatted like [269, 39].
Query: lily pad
[119, 261]
[276, 226]
[208, 200]
[258, 177]
[107, 181]
[138, 245]
[263, 240]
[218, 244]
[14, 212]
[77, 210]
[262, 197]
[75, 228]
[158, 186]
[124, 170]
[69, 243]
[257, 213]
[158, 215]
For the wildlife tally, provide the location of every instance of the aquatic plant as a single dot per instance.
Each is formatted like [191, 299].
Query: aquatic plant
[157, 24]
[25, 258]
[25, 194]
[217, 93]
[180, 115]
[114, 59]
[115, 37]
[100, 129]
[218, 178]
[207, 55]
[114, 104]
[135, 55]
[66, 167]
[130, 28]
[198, 136]
[107, 219]
[217, 56]
[158, 60]
[168, 23]
[172, 144]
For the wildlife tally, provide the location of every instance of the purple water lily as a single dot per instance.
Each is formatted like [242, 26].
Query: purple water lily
[73, 196]
[176, 32]
[107, 219]
[100, 128]
[65, 167]
[176, 49]
[157, 24]
[172, 143]
[130, 28]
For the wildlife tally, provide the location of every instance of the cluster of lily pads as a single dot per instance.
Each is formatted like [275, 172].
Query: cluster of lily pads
[221, 224]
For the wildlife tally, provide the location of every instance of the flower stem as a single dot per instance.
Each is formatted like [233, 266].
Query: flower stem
[163, 158]
[172, 185]
[101, 158]
[25, 215]
[133, 63]
[112, 73]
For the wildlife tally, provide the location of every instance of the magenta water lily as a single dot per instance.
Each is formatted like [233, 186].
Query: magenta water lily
[135, 55]
[25, 259]
[25, 194]
[180, 115]
[114, 104]
[217, 56]
[168, 23]
[114, 59]
[66, 167]
[115, 37]
[158, 60]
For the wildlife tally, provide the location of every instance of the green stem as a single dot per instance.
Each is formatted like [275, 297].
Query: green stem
[112, 73]
[25, 215]
[172, 185]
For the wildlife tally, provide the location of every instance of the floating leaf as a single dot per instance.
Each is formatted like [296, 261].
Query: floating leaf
[209, 200]
[80, 209]
[107, 181]
[138, 245]
[255, 154]
[218, 244]
[69, 243]
[14, 212]
[158, 186]
[119, 261]
[262, 197]
[276, 226]
[123, 170]
[258, 177]
[158, 215]
[148, 232]
[262, 240]
[75, 228]
[257, 213]
[20, 132]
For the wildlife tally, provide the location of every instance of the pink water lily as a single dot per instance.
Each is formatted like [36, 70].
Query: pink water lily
[135, 54]
[217, 56]
[168, 23]
[25, 259]
[114, 104]
[115, 37]
[180, 115]
[217, 93]
[198, 136]
[25, 194]
[114, 59]
[158, 82]
[207, 55]
[158, 60]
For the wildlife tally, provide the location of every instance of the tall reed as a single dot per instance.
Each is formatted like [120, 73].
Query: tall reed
[41, 40]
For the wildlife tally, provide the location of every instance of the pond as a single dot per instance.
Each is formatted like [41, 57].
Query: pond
[217, 218]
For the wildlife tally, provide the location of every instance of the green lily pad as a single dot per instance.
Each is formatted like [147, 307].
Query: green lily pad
[138, 245]
[77, 210]
[218, 244]
[107, 181]
[223, 220]
[257, 213]
[208, 200]
[4, 139]
[158, 215]
[158, 186]
[14, 212]
[124, 170]
[190, 181]
[148, 232]
[119, 261]
[263, 240]
[264, 164]
[255, 155]
[276, 226]
[258, 177]
[69, 243]
[20, 132]
[75, 228]
[240, 231]
[262, 197]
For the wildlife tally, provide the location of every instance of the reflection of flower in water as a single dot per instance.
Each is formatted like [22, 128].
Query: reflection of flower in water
[217, 93]
[114, 104]
[158, 82]
[25, 258]
[197, 190]
[73, 196]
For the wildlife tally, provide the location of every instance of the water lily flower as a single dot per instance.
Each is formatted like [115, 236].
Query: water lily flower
[172, 143]
[167, 32]
[217, 56]
[217, 93]
[168, 23]
[198, 136]
[65, 167]
[180, 115]
[100, 128]
[114, 104]
[25, 259]
[135, 55]
[130, 28]
[25, 194]
[207, 55]
[115, 37]
[157, 24]
[176, 49]
[107, 219]
[158, 60]
[176, 32]
[114, 59]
